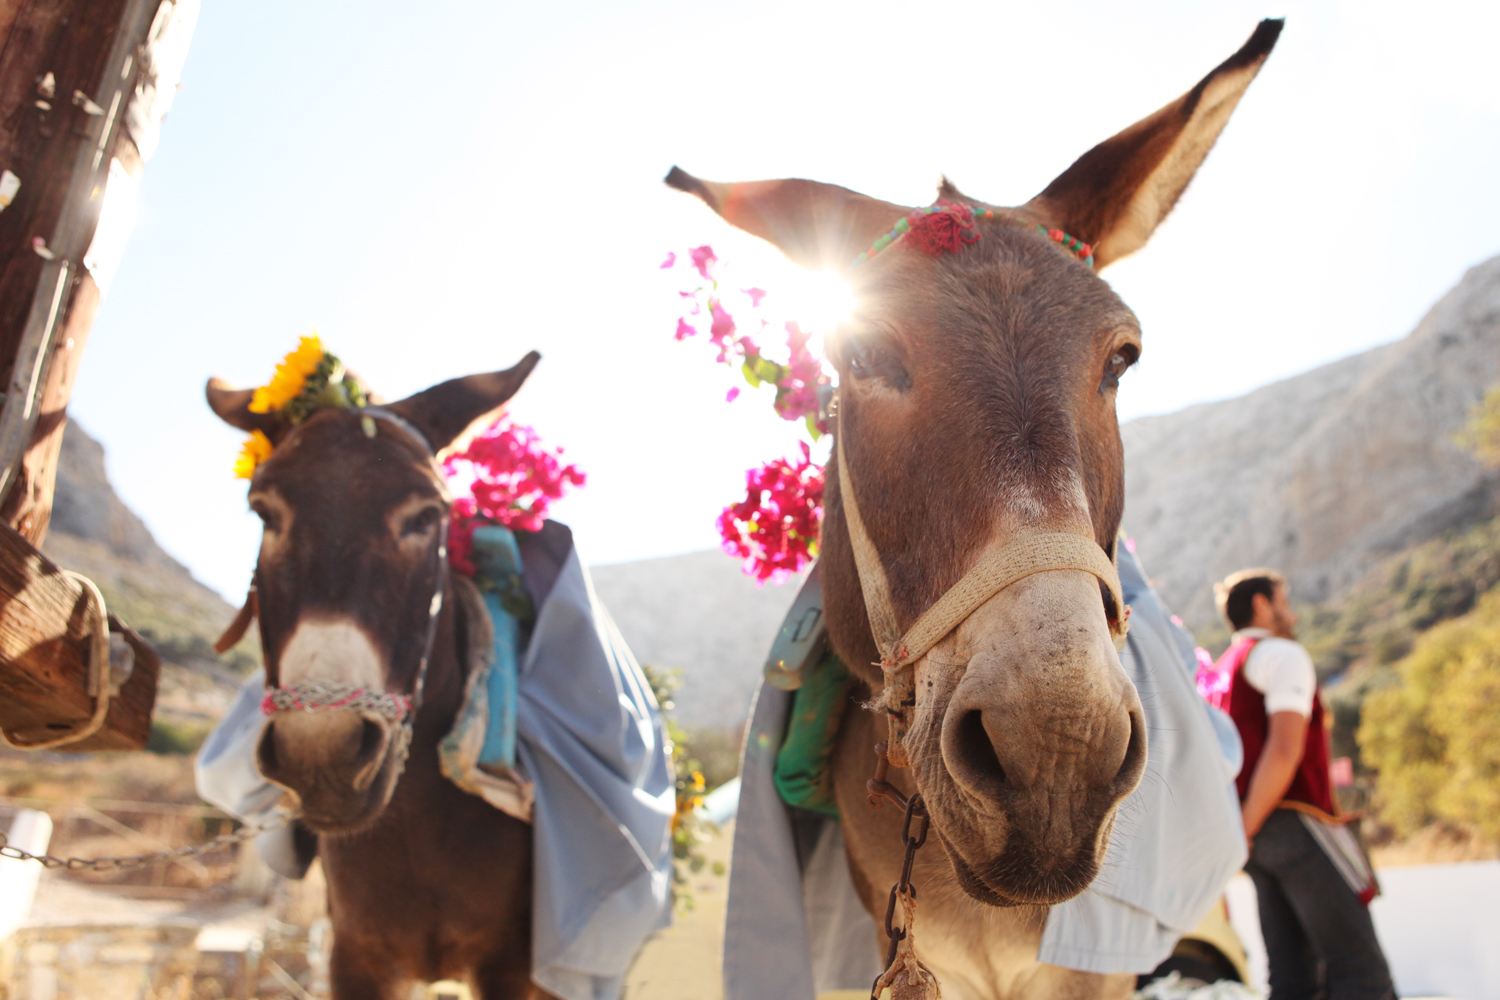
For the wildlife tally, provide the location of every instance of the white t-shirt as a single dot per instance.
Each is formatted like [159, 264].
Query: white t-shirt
[1281, 670]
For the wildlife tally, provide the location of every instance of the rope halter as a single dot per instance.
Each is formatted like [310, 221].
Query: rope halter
[1026, 555]
[321, 695]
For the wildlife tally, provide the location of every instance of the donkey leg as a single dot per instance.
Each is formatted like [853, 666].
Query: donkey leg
[507, 977]
[353, 975]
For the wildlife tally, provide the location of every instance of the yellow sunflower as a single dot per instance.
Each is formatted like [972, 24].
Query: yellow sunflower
[291, 376]
[257, 449]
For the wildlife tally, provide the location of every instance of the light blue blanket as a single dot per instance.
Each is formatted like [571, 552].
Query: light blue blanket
[1177, 842]
[589, 739]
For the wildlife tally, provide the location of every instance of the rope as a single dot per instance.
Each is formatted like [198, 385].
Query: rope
[323, 695]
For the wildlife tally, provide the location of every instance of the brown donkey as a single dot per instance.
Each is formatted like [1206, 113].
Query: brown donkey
[425, 881]
[976, 410]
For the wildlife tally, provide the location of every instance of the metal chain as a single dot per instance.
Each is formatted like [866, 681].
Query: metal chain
[916, 809]
[134, 861]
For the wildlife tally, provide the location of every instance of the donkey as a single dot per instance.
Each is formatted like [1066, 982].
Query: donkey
[975, 412]
[425, 881]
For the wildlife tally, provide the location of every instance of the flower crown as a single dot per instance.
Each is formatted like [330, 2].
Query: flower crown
[505, 476]
[308, 379]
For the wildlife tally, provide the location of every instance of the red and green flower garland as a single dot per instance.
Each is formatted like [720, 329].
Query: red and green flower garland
[774, 529]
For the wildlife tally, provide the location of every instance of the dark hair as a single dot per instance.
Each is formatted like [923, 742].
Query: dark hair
[1236, 595]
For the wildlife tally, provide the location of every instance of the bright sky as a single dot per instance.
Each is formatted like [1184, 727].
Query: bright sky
[441, 187]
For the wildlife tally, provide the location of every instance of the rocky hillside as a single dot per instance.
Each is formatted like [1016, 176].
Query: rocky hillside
[1325, 474]
[94, 533]
[699, 614]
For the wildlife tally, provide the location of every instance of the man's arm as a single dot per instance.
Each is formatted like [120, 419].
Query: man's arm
[1276, 768]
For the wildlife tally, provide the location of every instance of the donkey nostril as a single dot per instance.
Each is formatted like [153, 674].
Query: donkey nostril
[371, 741]
[1135, 754]
[977, 751]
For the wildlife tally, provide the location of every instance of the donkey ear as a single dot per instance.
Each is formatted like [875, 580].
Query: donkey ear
[1115, 195]
[445, 411]
[233, 407]
[816, 225]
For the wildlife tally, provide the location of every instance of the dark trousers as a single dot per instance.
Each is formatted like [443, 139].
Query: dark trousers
[1319, 936]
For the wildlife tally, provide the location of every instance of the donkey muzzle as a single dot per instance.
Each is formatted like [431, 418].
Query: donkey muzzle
[342, 764]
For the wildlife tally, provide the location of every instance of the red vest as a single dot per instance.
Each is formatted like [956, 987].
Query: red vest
[1247, 707]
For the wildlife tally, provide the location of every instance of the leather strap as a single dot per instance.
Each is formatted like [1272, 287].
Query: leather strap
[241, 624]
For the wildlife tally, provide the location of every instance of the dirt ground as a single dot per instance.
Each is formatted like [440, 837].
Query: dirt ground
[684, 962]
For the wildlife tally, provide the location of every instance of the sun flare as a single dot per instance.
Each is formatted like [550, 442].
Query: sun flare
[821, 301]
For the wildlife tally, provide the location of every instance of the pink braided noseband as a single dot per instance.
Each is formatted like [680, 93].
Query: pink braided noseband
[320, 696]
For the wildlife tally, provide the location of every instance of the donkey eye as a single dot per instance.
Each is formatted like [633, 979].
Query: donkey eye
[422, 522]
[268, 518]
[871, 359]
[1122, 359]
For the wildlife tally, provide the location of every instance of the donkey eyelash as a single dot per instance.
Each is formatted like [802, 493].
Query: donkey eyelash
[422, 522]
[1119, 363]
[268, 517]
[869, 358]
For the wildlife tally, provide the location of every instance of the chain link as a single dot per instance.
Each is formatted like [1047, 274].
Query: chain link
[916, 809]
[134, 861]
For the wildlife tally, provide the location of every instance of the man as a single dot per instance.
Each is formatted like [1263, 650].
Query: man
[1312, 881]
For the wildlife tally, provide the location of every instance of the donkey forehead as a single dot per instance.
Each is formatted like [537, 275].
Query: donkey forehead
[330, 459]
[1010, 286]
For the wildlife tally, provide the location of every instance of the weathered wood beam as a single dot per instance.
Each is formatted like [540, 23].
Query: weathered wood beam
[83, 87]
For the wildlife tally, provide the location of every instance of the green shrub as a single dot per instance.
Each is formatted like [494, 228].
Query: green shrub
[1433, 735]
[177, 737]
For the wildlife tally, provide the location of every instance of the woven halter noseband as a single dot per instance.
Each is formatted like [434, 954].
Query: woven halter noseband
[324, 695]
[1026, 555]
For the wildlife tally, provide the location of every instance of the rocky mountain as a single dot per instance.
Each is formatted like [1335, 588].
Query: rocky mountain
[94, 533]
[699, 614]
[1322, 474]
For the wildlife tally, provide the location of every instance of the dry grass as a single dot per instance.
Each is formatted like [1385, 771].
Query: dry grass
[1440, 843]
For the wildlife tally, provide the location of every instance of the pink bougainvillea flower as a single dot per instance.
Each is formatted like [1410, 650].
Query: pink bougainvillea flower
[505, 476]
[797, 390]
[721, 330]
[685, 330]
[732, 394]
[774, 530]
[1213, 683]
[703, 259]
[723, 325]
[671, 259]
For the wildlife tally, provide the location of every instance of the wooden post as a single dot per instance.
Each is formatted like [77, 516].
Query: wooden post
[83, 88]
